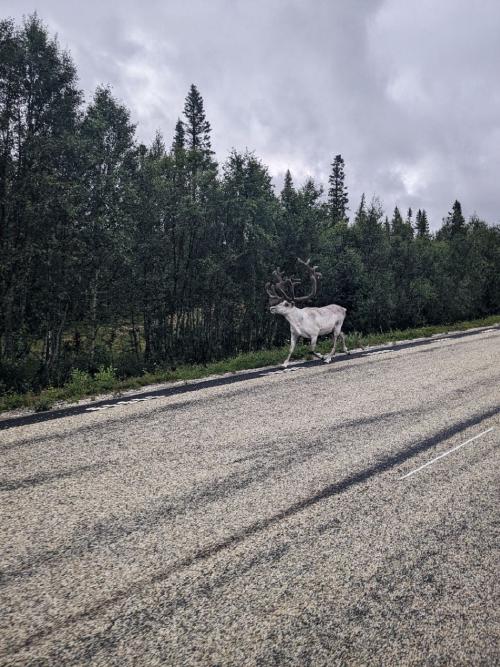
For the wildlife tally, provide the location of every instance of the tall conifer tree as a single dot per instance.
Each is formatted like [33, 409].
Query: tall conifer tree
[454, 223]
[179, 142]
[422, 224]
[338, 199]
[288, 193]
[196, 126]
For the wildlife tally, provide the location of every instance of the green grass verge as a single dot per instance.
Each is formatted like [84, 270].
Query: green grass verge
[83, 385]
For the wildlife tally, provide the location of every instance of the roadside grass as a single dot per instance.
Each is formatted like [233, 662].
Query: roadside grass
[83, 385]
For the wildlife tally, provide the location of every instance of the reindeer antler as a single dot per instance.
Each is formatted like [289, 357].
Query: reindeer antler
[284, 287]
[314, 275]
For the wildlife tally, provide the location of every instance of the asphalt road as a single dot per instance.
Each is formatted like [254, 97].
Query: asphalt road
[269, 521]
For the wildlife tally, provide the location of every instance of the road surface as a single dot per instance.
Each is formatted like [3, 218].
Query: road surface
[281, 519]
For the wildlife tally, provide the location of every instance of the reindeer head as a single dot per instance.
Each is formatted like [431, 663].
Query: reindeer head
[281, 292]
[282, 307]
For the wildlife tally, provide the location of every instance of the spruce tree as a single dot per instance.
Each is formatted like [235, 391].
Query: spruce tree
[310, 215]
[200, 165]
[422, 224]
[361, 211]
[453, 224]
[178, 144]
[456, 219]
[196, 126]
[425, 223]
[288, 194]
[397, 222]
[400, 227]
[338, 199]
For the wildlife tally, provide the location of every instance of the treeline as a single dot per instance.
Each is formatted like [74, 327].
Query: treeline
[114, 253]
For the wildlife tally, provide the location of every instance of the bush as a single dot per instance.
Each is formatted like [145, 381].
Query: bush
[42, 404]
[80, 383]
[105, 378]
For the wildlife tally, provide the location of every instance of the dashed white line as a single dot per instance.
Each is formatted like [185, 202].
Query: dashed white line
[115, 405]
[454, 449]
[284, 370]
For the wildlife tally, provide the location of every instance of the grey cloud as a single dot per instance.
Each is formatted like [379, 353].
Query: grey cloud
[406, 90]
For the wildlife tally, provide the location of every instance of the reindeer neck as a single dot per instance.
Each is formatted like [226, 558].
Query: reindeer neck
[294, 315]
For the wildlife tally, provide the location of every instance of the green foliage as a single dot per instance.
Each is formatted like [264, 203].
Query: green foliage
[105, 378]
[80, 383]
[42, 404]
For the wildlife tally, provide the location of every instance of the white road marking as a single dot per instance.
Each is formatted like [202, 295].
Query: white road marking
[454, 449]
[115, 405]
[283, 370]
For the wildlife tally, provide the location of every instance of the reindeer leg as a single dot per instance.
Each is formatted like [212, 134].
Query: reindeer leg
[332, 353]
[343, 343]
[293, 341]
[314, 340]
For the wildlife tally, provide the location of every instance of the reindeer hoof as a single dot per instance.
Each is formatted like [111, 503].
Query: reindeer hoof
[327, 360]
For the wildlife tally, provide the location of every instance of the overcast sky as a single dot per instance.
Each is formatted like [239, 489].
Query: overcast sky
[406, 90]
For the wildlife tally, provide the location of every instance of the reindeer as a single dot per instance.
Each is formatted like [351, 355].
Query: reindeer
[305, 322]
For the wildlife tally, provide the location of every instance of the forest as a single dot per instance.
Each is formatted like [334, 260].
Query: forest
[117, 254]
